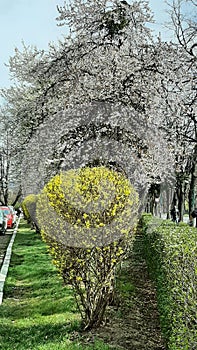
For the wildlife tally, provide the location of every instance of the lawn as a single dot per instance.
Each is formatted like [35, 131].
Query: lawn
[38, 312]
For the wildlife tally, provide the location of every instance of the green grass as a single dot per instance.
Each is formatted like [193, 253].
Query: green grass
[125, 289]
[38, 312]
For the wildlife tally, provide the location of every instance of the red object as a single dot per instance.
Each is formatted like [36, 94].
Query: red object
[10, 216]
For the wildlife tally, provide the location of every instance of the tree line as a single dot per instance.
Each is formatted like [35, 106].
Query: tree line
[108, 85]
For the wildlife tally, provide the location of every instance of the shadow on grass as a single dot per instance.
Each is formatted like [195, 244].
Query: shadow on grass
[17, 259]
[26, 338]
[25, 238]
[41, 307]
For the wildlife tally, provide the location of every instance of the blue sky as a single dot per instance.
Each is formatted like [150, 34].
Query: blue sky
[33, 21]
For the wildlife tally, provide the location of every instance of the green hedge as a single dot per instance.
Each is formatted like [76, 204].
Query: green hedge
[171, 255]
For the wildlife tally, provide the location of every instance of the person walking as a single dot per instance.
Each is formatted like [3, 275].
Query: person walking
[175, 214]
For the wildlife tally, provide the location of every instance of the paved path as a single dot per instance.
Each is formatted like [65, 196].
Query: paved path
[5, 253]
[4, 241]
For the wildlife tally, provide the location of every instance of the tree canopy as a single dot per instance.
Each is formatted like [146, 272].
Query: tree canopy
[108, 73]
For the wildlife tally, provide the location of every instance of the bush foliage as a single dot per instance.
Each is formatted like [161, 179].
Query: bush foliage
[29, 210]
[86, 216]
[24, 208]
[171, 253]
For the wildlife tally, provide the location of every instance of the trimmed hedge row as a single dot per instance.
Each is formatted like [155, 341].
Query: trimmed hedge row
[171, 255]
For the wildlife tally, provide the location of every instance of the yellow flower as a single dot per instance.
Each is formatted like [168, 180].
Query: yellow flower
[87, 223]
[78, 278]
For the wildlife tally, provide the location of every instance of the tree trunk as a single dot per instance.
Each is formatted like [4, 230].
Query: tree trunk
[181, 198]
[193, 184]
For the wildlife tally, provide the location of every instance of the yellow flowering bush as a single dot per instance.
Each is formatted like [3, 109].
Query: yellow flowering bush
[29, 210]
[86, 217]
[24, 208]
